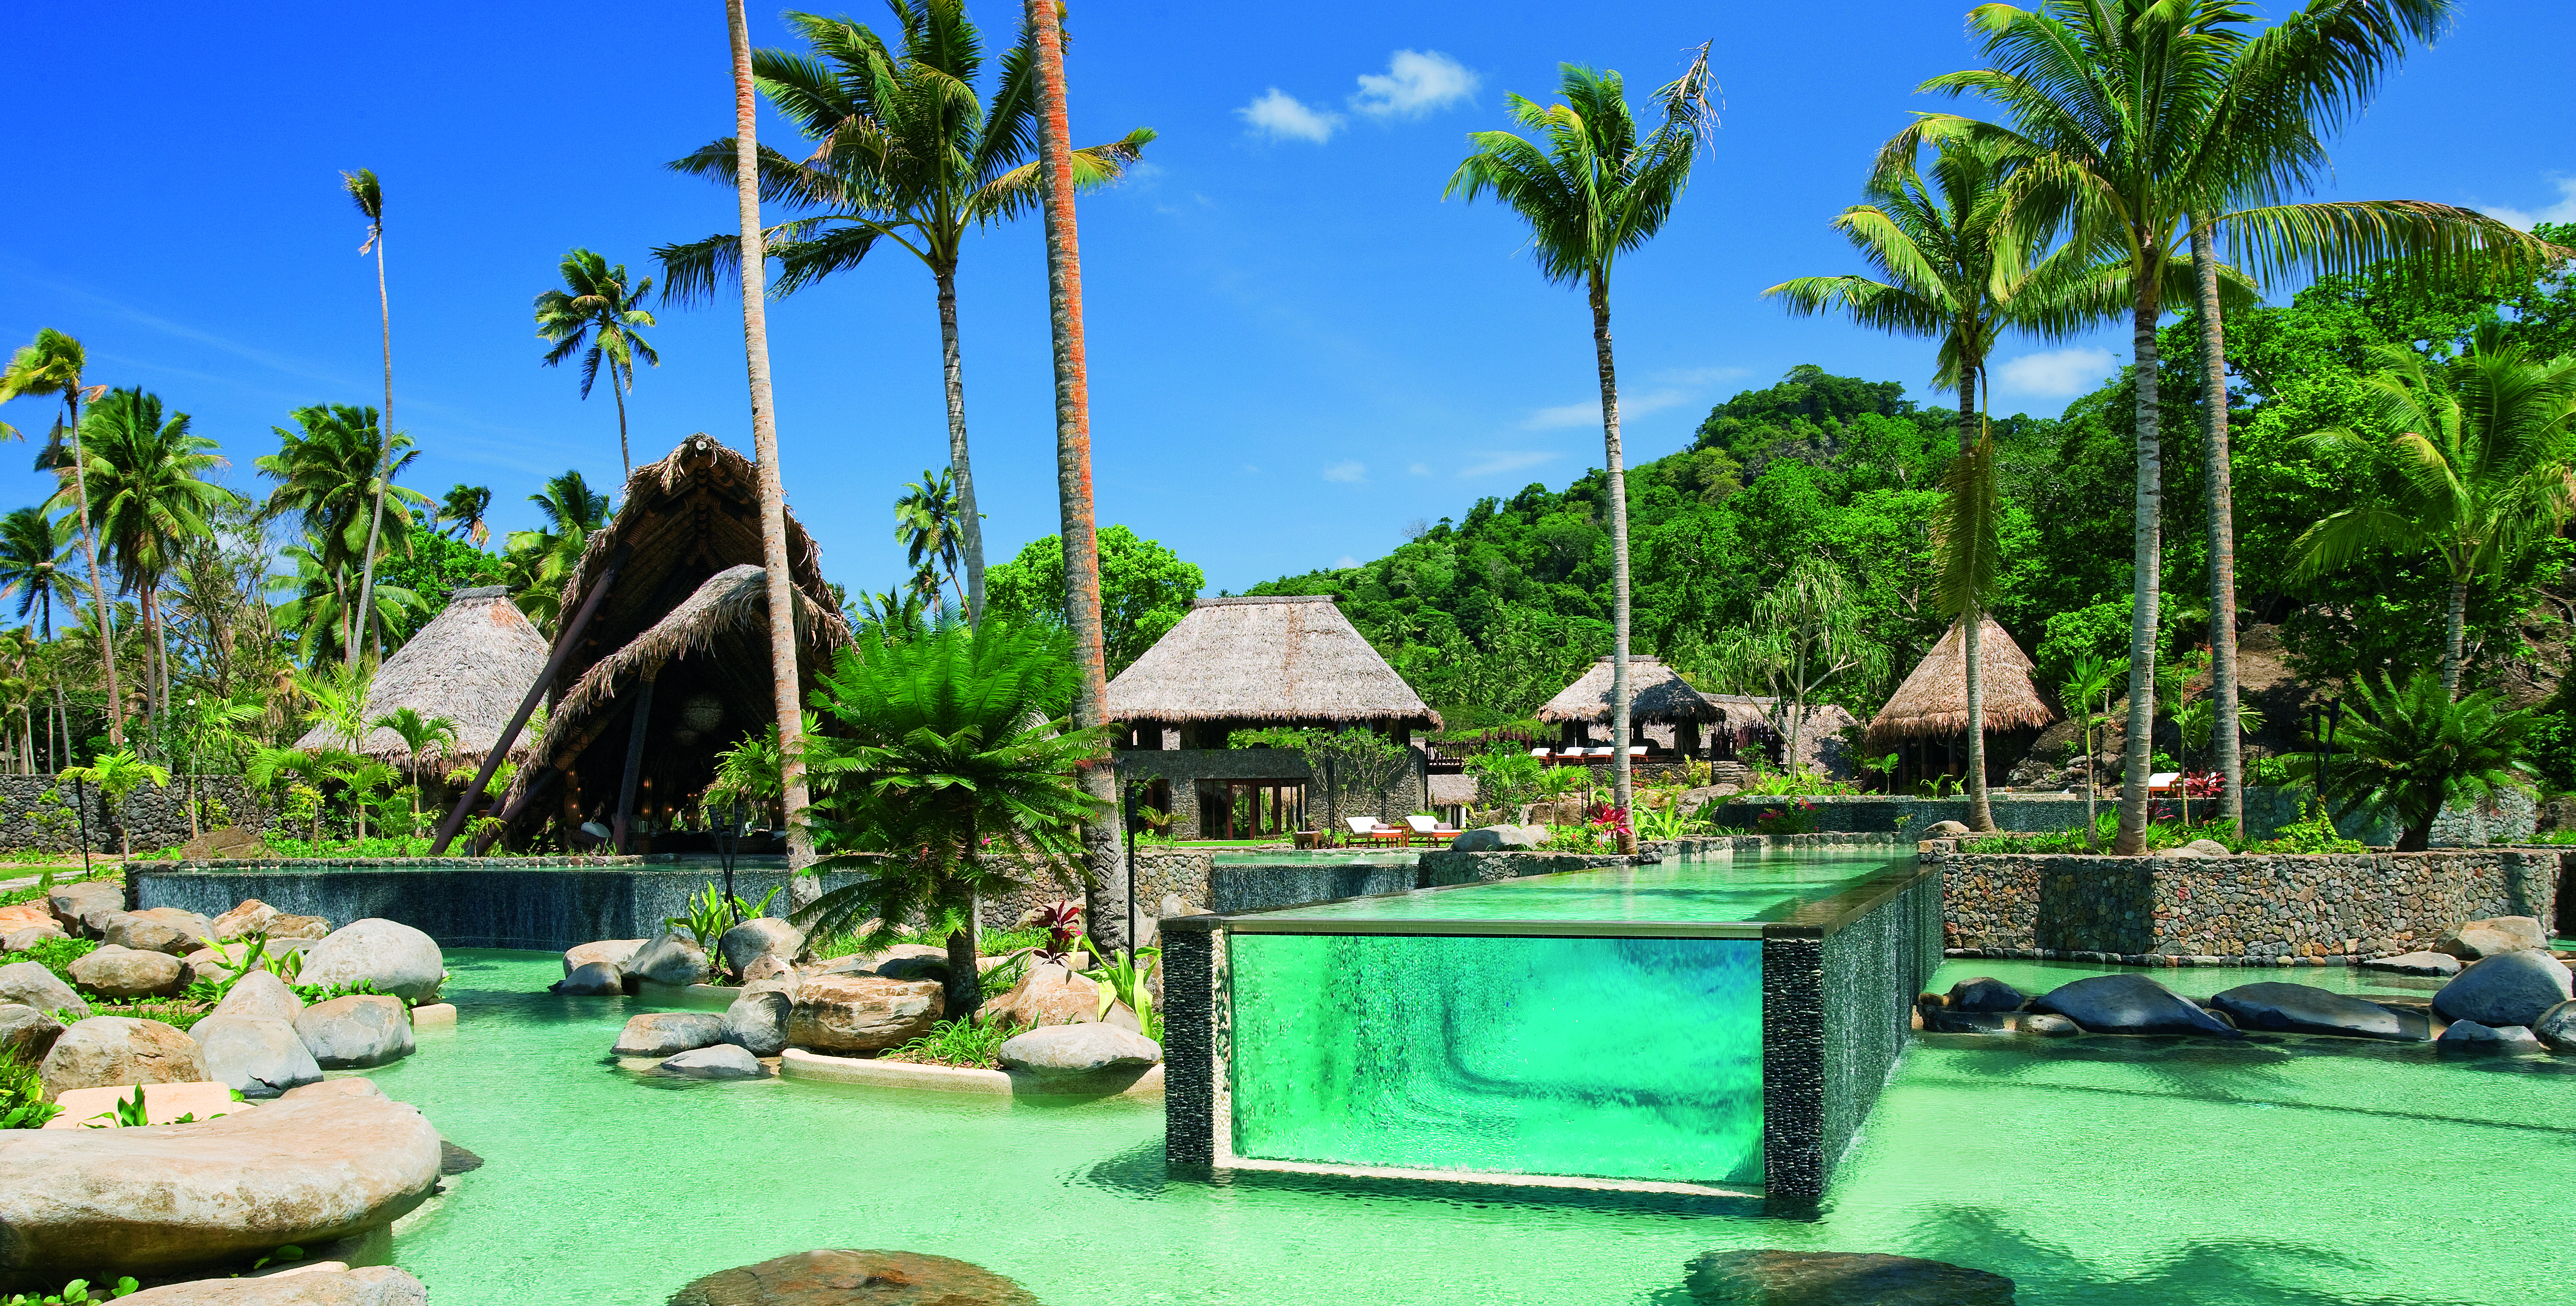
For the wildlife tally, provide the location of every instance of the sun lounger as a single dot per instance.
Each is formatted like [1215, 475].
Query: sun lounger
[2162, 783]
[1431, 830]
[1365, 829]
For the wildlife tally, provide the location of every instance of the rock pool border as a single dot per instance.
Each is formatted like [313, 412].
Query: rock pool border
[870, 1072]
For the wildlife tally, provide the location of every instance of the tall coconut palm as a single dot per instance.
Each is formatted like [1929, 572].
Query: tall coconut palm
[31, 567]
[463, 510]
[318, 611]
[1597, 190]
[369, 196]
[539, 561]
[752, 258]
[2131, 119]
[926, 525]
[333, 473]
[906, 151]
[596, 306]
[52, 365]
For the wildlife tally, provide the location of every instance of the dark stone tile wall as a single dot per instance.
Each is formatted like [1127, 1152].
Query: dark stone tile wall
[37, 813]
[1836, 1012]
[1259, 888]
[1190, 1062]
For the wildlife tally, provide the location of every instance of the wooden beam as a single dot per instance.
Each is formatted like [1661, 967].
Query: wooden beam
[634, 765]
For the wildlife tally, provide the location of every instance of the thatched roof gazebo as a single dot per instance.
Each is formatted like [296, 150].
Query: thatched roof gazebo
[1657, 695]
[470, 664]
[1264, 660]
[1930, 710]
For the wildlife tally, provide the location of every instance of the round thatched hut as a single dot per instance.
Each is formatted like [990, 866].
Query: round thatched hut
[470, 664]
[1657, 696]
[1926, 721]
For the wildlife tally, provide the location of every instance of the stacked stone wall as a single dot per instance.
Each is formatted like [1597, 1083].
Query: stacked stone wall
[38, 813]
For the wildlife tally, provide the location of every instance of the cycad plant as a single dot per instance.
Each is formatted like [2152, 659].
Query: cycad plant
[2413, 750]
[1597, 189]
[950, 775]
[598, 306]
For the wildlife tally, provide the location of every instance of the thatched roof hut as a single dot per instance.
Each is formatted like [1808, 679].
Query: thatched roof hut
[1933, 702]
[470, 664]
[1273, 659]
[1656, 692]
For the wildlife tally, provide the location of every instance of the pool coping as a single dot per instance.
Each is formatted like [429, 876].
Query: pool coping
[869, 1072]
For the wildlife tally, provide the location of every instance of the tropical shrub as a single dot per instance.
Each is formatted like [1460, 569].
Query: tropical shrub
[2413, 750]
[971, 1041]
[22, 1094]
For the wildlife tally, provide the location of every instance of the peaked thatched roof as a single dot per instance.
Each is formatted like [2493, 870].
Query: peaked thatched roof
[471, 664]
[1266, 658]
[1655, 693]
[1933, 702]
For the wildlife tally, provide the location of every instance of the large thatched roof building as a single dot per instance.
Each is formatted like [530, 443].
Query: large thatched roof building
[1927, 718]
[470, 664]
[1266, 660]
[1657, 695]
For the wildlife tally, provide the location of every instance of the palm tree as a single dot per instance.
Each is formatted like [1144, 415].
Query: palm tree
[335, 473]
[369, 196]
[753, 262]
[2092, 677]
[905, 151]
[117, 773]
[319, 609]
[2413, 750]
[1598, 190]
[540, 561]
[418, 732]
[52, 365]
[31, 567]
[463, 509]
[925, 523]
[953, 764]
[595, 307]
[2476, 471]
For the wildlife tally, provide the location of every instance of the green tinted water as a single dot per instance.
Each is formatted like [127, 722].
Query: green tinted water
[2136, 1173]
[1750, 888]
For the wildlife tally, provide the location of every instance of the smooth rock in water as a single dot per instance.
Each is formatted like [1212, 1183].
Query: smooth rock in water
[119, 1050]
[396, 958]
[260, 996]
[2046, 1025]
[1940, 1019]
[661, 1033]
[2493, 937]
[2511, 988]
[359, 1030]
[301, 1170]
[27, 1033]
[456, 1160]
[2556, 1028]
[1984, 993]
[159, 929]
[720, 1061]
[855, 1278]
[757, 1023]
[862, 1013]
[31, 985]
[248, 917]
[25, 937]
[593, 979]
[1946, 830]
[2129, 1004]
[615, 952]
[2280, 1008]
[669, 959]
[1492, 839]
[121, 972]
[762, 936]
[260, 1056]
[1048, 995]
[76, 906]
[1078, 1049]
[374, 1285]
[2416, 963]
[1782, 1278]
[433, 1015]
[2468, 1037]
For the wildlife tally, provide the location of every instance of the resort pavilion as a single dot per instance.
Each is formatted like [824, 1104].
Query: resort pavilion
[470, 664]
[1926, 721]
[1242, 663]
[664, 653]
[1657, 696]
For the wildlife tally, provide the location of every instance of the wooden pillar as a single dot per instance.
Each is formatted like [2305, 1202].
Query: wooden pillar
[634, 764]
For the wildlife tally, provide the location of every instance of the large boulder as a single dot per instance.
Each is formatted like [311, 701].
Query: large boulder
[670, 959]
[720, 1061]
[2300, 1009]
[1781, 1278]
[1946, 830]
[662, 1033]
[83, 908]
[757, 1023]
[152, 1200]
[19, 915]
[862, 1013]
[248, 917]
[1051, 1050]
[2511, 988]
[27, 1033]
[1984, 993]
[2469, 1038]
[374, 1285]
[119, 1050]
[173, 930]
[2493, 937]
[28, 936]
[260, 1056]
[2129, 1004]
[1493, 839]
[2440, 964]
[855, 1278]
[396, 958]
[282, 926]
[2556, 1028]
[613, 952]
[761, 936]
[260, 996]
[1048, 995]
[117, 971]
[358, 1030]
[593, 979]
[29, 984]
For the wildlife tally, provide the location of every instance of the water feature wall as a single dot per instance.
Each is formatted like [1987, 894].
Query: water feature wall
[1276, 882]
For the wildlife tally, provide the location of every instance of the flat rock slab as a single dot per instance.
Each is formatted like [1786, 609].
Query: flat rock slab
[161, 1199]
[1780, 1278]
[855, 1278]
[375, 1285]
[2129, 1004]
[162, 1103]
[862, 1013]
[2512, 988]
[2300, 1009]
[722, 1061]
[120, 1050]
[661, 1033]
[2417, 963]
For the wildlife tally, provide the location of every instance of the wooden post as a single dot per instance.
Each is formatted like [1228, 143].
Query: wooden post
[634, 765]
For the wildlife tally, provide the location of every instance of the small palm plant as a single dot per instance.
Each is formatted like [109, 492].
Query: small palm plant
[2414, 750]
[2092, 680]
[118, 774]
[418, 733]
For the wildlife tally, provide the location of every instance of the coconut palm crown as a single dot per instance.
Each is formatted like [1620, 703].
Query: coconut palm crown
[599, 307]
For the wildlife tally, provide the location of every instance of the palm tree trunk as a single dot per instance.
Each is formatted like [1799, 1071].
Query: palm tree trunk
[97, 587]
[2139, 743]
[625, 459]
[970, 527]
[2225, 736]
[785, 685]
[1981, 815]
[384, 465]
[1622, 789]
[2455, 633]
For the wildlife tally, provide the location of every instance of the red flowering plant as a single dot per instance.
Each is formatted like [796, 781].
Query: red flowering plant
[1799, 817]
[1610, 821]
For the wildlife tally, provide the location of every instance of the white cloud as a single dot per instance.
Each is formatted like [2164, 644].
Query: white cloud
[1349, 473]
[1416, 82]
[1345, 562]
[1496, 462]
[2525, 219]
[1420, 469]
[1281, 116]
[2057, 373]
[1631, 407]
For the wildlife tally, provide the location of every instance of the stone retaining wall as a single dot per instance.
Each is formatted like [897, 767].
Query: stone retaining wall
[2249, 910]
[37, 813]
[2267, 810]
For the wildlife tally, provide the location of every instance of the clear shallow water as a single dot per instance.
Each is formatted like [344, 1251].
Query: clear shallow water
[1751, 888]
[2141, 1173]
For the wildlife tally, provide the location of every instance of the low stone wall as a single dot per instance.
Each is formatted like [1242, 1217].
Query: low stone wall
[1260, 888]
[2267, 810]
[37, 813]
[2249, 910]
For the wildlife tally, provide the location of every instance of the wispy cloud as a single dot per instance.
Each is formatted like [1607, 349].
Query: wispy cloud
[2525, 219]
[1415, 83]
[1631, 406]
[2057, 373]
[1494, 462]
[1349, 473]
[1282, 116]
[1701, 375]
[1345, 562]
[1419, 469]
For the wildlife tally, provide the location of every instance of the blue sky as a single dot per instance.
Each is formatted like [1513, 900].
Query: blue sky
[1297, 346]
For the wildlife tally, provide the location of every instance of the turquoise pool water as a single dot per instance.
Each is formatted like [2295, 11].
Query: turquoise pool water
[1688, 889]
[2137, 1173]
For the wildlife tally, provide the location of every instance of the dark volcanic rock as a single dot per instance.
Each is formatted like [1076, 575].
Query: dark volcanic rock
[1778, 1278]
[1985, 994]
[2129, 1004]
[2512, 988]
[456, 1160]
[2299, 1009]
[855, 1278]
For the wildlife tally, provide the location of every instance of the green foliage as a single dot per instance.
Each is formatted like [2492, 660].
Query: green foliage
[1122, 976]
[2315, 833]
[1507, 774]
[712, 911]
[74, 1293]
[2412, 750]
[1145, 590]
[973, 1041]
[22, 1094]
[237, 959]
[435, 566]
[57, 955]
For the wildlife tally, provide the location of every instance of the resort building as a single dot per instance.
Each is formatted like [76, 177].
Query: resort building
[1926, 721]
[470, 665]
[1665, 714]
